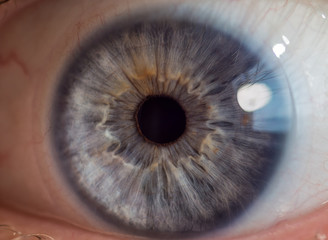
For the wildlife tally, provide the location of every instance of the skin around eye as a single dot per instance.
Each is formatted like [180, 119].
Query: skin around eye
[30, 69]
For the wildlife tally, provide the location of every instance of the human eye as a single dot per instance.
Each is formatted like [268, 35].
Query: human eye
[37, 43]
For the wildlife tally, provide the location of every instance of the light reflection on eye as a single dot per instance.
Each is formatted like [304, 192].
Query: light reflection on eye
[288, 37]
[254, 97]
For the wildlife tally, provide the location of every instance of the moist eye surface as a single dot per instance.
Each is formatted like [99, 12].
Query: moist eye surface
[149, 133]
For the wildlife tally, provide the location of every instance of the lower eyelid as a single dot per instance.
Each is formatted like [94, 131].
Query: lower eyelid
[29, 224]
[311, 226]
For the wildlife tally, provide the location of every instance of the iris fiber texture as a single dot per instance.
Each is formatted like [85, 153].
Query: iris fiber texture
[201, 181]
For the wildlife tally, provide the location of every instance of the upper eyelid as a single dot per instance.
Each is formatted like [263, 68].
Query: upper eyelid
[9, 8]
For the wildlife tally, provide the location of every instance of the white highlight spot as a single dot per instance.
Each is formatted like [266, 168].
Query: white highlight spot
[323, 16]
[252, 97]
[279, 49]
[285, 39]
[321, 236]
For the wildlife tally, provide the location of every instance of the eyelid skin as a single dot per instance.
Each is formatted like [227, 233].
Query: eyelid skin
[11, 7]
[27, 96]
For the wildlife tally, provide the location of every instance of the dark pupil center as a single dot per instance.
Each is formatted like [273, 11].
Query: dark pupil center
[161, 119]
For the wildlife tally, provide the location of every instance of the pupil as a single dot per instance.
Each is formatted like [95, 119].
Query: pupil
[161, 119]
